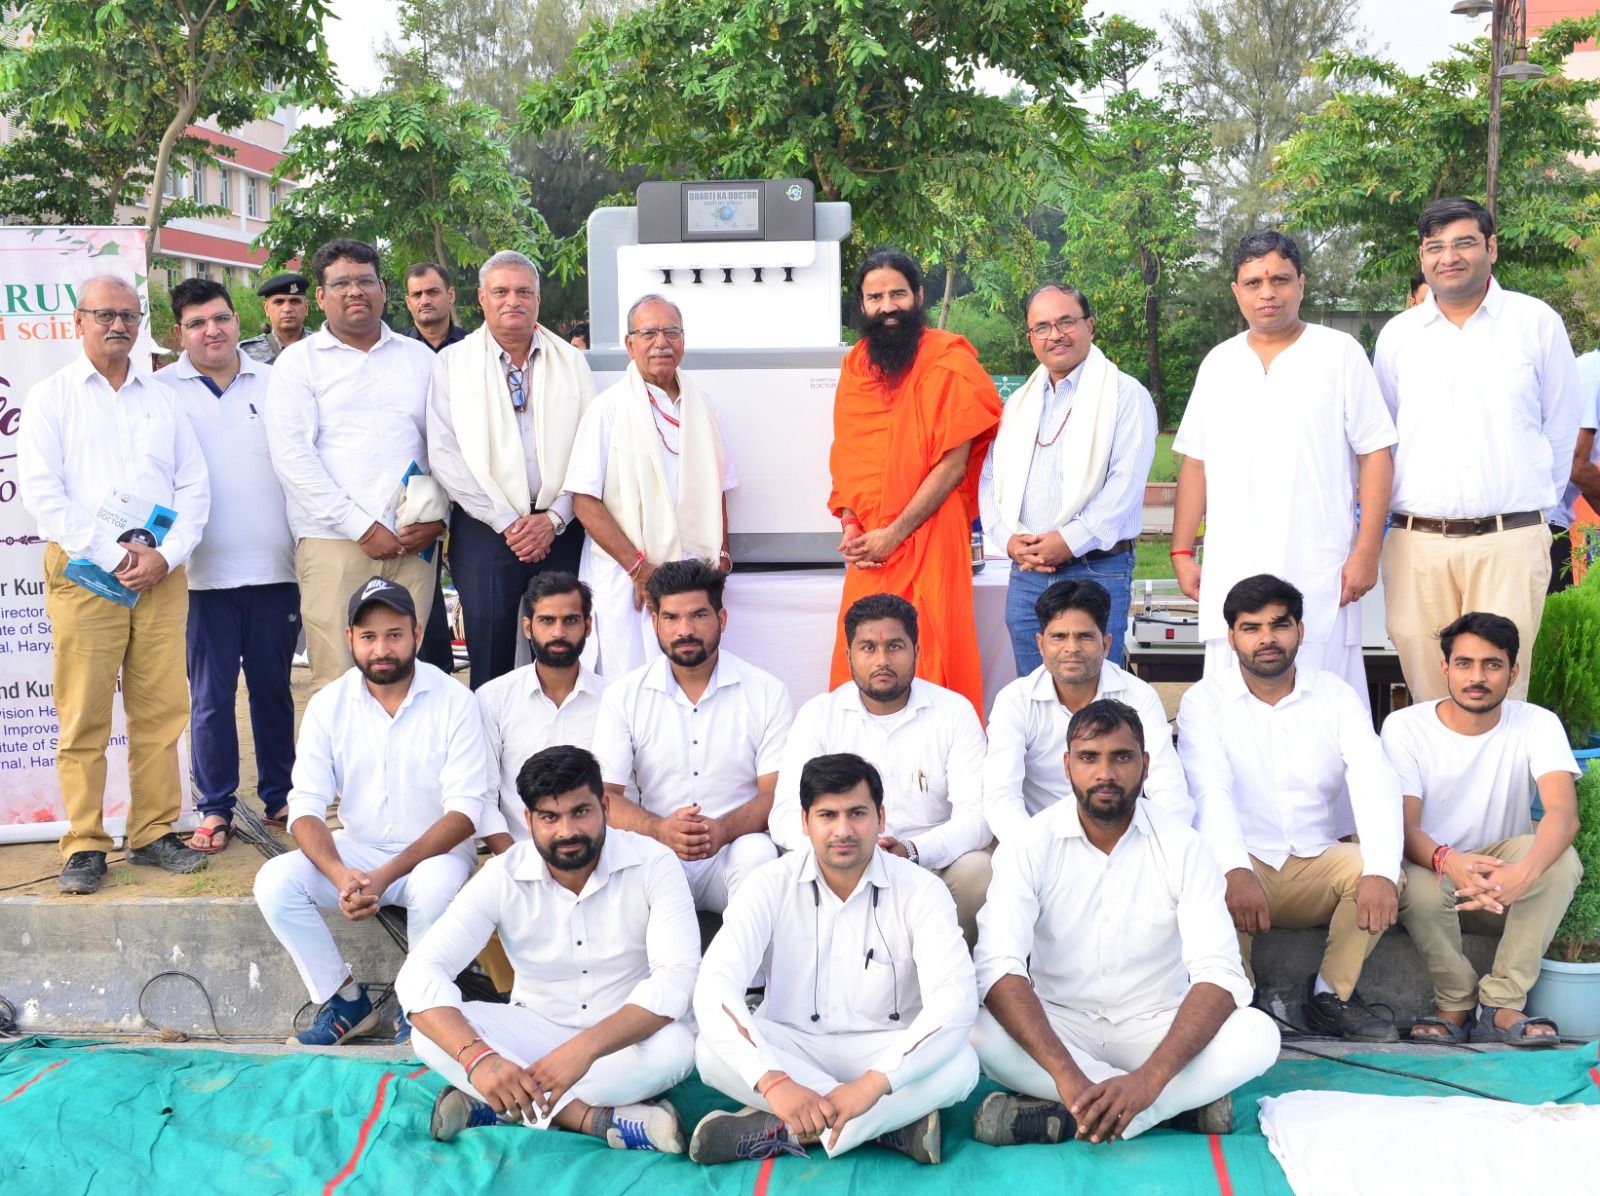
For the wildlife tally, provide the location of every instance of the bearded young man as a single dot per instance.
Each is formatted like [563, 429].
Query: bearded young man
[400, 746]
[912, 421]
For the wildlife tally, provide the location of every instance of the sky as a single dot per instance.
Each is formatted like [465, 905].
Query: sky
[1411, 32]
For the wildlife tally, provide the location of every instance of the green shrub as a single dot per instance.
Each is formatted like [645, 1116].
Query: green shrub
[1580, 929]
[1566, 659]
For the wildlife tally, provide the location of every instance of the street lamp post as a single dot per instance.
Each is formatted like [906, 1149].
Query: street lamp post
[1508, 24]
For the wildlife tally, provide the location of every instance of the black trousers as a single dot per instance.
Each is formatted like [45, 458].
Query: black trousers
[490, 581]
[436, 649]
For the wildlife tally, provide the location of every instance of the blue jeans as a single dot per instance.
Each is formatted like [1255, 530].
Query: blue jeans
[1115, 573]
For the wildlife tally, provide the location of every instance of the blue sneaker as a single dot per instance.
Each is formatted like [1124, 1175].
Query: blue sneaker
[454, 1111]
[338, 1021]
[402, 1028]
[649, 1125]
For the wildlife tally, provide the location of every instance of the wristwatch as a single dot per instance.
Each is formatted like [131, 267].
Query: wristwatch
[556, 521]
[911, 851]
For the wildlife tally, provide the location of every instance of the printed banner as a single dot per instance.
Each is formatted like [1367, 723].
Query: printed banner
[41, 270]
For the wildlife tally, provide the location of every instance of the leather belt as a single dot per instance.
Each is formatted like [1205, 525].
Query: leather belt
[1467, 527]
[1100, 554]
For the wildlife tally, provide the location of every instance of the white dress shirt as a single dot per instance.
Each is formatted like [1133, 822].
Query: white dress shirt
[344, 426]
[451, 468]
[1487, 413]
[394, 777]
[930, 755]
[1272, 781]
[1588, 417]
[1286, 505]
[629, 938]
[670, 752]
[892, 947]
[591, 451]
[246, 541]
[519, 719]
[1025, 769]
[1116, 512]
[80, 441]
[1476, 789]
[1117, 936]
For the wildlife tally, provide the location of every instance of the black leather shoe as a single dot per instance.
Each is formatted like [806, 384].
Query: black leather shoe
[168, 853]
[1351, 1020]
[83, 872]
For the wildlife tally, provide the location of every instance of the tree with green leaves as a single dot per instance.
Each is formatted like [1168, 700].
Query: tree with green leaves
[1389, 143]
[878, 104]
[98, 77]
[420, 174]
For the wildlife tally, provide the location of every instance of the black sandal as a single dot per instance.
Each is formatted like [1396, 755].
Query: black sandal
[1484, 1030]
[1455, 1032]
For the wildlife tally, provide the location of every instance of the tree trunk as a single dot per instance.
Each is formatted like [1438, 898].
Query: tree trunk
[949, 292]
[438, 246]
[1150, 271]
[169, 138]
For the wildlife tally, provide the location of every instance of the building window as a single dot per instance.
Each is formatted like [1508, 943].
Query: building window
[225, 187]
[252, 197]
[197, 181]
[174, 184]
[202, 269]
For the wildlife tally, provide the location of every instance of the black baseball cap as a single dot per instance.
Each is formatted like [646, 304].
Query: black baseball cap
[380, 589]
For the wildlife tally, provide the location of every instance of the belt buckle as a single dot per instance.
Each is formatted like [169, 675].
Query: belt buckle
[1470, 524]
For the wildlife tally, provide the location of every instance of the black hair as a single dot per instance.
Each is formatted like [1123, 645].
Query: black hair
[1418, 279]
[880, 606]
[1443, 212]
[1090, 597]
[548, 585]
[888, 259]
[557, 770]
[686, 577]
[838, 773]
[1258, 593]
[347, 248]
[1259, 244]
[1497, 629]
[1071, 292]
[422, 268]
[195, 292]
[1102, 716]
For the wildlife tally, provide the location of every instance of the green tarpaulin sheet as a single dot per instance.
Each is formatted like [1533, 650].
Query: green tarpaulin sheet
[79, 1118]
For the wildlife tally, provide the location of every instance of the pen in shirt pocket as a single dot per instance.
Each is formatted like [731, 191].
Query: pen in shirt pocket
[254, 414]
[922, 780]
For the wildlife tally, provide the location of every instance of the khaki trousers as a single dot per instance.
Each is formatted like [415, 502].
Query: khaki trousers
[1319, 891]
[967, 877]
[1427, 911]
[1429, 580]
[329, 572]
[94, 640]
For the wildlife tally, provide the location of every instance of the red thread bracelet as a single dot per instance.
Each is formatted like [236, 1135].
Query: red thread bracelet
[477, 1059]
[1440, 855]
[1181, 552]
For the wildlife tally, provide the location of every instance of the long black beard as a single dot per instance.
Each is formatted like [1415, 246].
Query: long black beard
[891, 348]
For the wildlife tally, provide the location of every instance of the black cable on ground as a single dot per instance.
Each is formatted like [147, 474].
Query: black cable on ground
[1395, 1071]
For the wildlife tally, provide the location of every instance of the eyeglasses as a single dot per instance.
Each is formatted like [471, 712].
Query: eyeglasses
[1460, 245]
[106, 316]
[673, 332]
[221, 320]
[1066, 326]
[519, 396]
[343, 286]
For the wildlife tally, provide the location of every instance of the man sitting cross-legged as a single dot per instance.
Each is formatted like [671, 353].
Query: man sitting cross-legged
[601, 933]
[1466, 763]
[862, 1034]
[1115, 995]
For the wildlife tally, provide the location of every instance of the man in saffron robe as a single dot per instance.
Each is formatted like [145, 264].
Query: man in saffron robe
[912, 421]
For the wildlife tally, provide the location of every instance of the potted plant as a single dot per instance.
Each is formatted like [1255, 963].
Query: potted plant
[1568, 989]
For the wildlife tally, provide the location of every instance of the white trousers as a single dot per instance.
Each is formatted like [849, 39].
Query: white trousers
[713, 881]
[290, 891]
[1332, 655]
[824, 1061]
[1244, 1047]
[640, 1072]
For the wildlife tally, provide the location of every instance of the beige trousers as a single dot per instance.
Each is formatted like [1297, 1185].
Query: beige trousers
[329, 571]
[1427, 911]
[1319, 891]
[95, 639]
[1429, 580]
[967, 877]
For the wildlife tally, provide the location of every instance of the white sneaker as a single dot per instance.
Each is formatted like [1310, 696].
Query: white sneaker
[653, 1125]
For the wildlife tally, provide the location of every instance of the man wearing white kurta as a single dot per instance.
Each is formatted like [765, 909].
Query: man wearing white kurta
[1484, 390]
[602, 937]
[861, 1035]
[1285, 433]
[1024, 770]
[400, 745]
[1283, 764]
[924, 740]
[648, 478]
[689, 744]
[1114, 994]
[502, 417]
[1064, 497]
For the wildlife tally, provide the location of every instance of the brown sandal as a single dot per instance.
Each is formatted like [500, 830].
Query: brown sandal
[208, 836]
